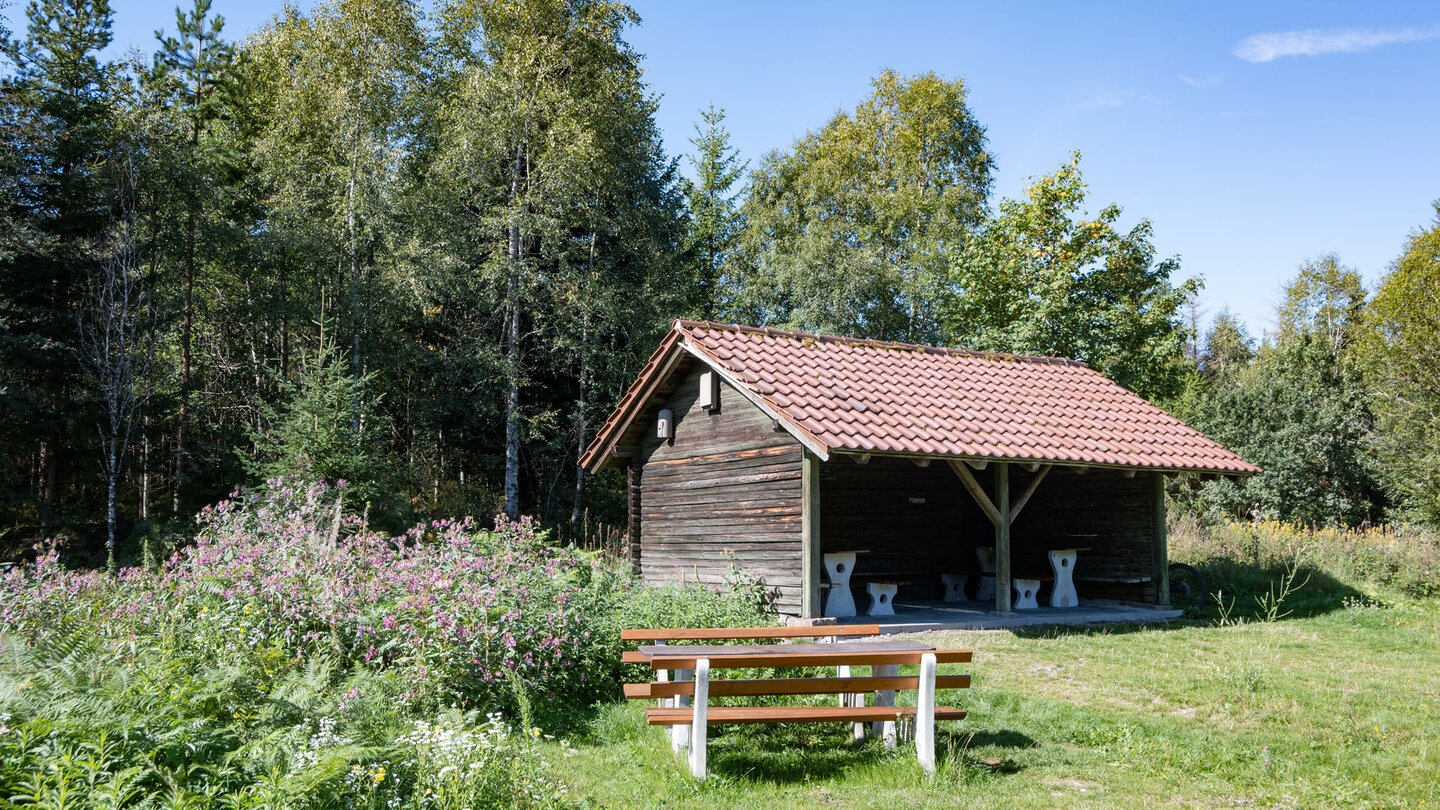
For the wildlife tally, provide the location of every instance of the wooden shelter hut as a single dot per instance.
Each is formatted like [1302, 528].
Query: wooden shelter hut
[762, 450]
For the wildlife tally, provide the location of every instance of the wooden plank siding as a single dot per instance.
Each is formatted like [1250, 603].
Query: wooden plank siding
[724, 494]
[872, 507]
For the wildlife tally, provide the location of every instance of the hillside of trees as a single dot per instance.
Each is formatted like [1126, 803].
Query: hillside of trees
[425, 252]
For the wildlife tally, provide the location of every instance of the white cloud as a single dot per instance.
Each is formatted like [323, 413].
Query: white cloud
[1271, 46]
[1208, 80]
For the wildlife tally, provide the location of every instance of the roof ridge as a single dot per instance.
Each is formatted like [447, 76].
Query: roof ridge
[881, 344]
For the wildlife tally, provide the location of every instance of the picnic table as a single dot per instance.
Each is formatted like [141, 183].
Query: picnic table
[691, 666]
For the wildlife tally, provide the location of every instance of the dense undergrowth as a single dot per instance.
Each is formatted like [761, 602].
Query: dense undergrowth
[1268, 569]
[293, 658]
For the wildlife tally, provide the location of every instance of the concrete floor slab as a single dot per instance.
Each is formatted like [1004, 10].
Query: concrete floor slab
[913, 616]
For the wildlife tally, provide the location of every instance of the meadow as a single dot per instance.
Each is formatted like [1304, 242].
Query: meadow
[290, 658]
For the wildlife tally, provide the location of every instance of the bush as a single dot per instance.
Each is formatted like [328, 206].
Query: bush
[293, 657]
[1247, 557]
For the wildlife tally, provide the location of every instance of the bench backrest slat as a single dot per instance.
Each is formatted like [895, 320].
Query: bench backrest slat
[792, 686]
[862, 659]
[726, 633]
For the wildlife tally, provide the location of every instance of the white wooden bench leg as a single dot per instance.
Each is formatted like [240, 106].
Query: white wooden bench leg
[924, 714]
[851, 700]
[885, 729]
[699, 714]
[680, 735]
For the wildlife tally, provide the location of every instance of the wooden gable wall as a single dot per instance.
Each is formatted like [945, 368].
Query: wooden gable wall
[725, 493]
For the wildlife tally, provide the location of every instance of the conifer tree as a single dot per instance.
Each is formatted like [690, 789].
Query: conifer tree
[715, 221]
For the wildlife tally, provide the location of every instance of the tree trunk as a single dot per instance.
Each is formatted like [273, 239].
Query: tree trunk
[112, 471]
[512, 355]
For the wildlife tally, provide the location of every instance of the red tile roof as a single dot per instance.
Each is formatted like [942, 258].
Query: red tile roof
[869, 396]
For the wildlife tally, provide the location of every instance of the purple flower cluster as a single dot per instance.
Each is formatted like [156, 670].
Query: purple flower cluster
[458, 612]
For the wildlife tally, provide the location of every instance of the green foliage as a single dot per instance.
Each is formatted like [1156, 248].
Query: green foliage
[851, 231]
[1042, 279]
[292, 658]
[1401, 357]
[1299, 410]
[714, 219]
[326, 430]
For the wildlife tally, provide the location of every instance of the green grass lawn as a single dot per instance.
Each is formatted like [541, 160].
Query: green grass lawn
[1335, 710]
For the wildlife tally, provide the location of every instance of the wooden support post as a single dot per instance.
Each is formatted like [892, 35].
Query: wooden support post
[925, 714]
[1002, 537]
[810, 564]
[1161, 551]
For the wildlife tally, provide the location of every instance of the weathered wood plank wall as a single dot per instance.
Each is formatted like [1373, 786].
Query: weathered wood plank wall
[724, 494]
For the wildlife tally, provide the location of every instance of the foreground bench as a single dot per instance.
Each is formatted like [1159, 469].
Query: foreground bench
[690, 724]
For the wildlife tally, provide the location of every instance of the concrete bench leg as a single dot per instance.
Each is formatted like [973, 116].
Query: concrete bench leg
[680, 735]
[1063, 564]
[699, 717]
[925, 715]
[881, 596]
[839, 603]
[986, 589]
[885, 729]
[955, 586]
[1025, 590]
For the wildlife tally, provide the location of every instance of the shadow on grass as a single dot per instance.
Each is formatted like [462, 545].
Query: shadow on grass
[787, 754]
[1239, 592]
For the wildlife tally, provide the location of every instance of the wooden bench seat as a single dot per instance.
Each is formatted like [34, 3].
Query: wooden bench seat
[734, 715]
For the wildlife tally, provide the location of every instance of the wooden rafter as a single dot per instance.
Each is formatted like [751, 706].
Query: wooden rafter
[1030, 490]
[973, 487]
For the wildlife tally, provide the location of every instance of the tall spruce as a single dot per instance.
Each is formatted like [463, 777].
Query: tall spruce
[192, 72]
[56, 121]
[715, 220]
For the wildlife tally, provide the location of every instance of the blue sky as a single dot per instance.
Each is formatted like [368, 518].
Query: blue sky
[1253, 136]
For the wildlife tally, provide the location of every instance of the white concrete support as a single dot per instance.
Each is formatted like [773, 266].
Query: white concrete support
[699, 716]
[680, 735]
[1025, 591]
[1062, 562]
[986, 588]
[955, 586]
[925, 715]
[839, 602]
[885, 729]
[882, 595]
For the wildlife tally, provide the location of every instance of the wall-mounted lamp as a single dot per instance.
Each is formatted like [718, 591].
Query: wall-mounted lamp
[665, 425]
